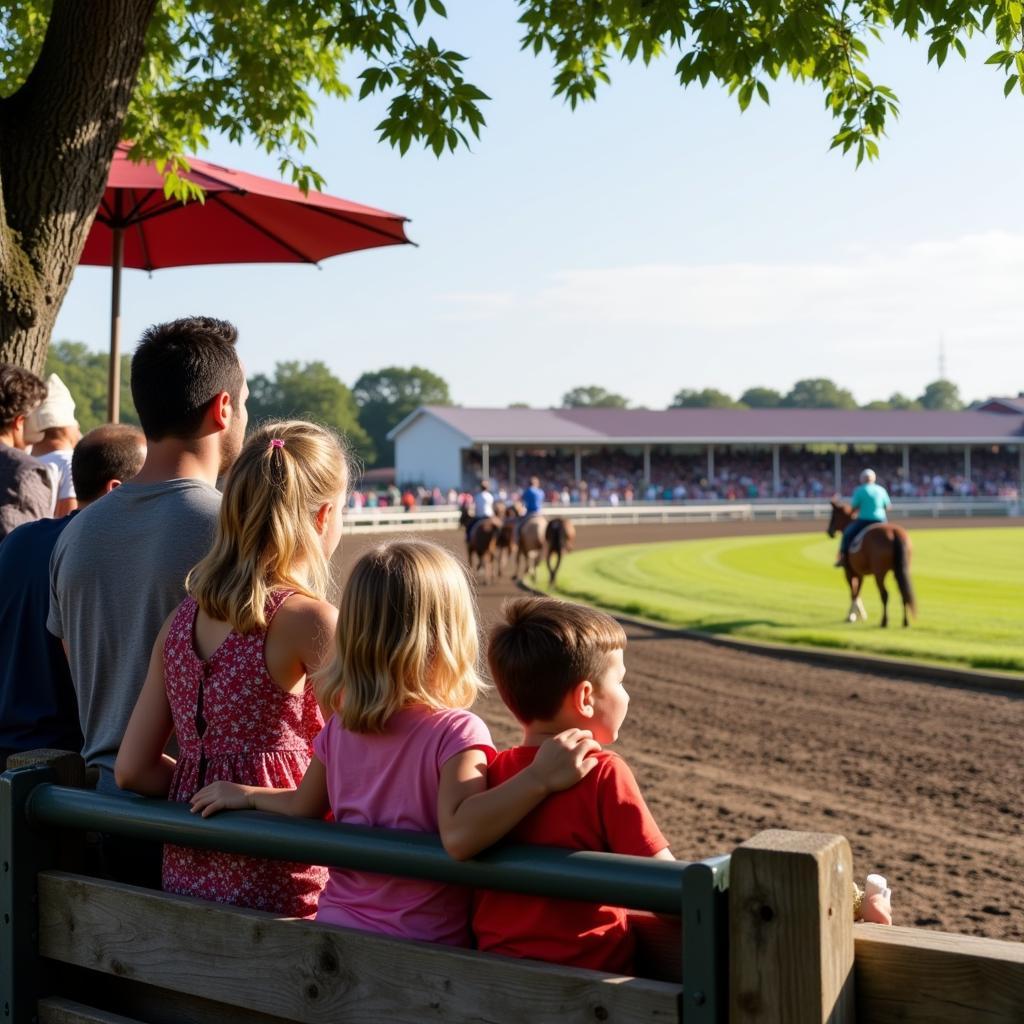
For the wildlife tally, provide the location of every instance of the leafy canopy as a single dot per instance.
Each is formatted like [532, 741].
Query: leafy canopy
[385, 397]
[307, 391]
[761, 398]
[593, 397]
[941, 394]
[819, 393]
[707, 398]
[254, 67]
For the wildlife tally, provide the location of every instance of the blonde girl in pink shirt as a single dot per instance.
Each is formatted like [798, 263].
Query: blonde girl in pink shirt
[401, 749]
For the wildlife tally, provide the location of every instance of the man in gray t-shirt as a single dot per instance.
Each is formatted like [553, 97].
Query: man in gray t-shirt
[119, 568]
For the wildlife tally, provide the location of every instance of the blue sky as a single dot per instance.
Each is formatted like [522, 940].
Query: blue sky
[655, 240]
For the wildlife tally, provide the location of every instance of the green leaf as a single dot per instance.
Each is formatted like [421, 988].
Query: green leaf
[746, 91]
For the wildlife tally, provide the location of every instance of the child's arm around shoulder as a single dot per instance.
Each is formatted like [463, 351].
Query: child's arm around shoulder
[471, 817]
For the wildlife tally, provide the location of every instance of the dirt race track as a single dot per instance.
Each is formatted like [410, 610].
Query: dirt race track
[926, 781]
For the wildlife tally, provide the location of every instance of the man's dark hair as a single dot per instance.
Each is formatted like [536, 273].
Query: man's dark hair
[178, 369]
[543, 648]
[115, 451]
[20, 392]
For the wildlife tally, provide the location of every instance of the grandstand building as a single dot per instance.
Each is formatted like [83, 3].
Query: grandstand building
[778, 452]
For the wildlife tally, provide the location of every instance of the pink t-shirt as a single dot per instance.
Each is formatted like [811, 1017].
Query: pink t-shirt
[390, 780]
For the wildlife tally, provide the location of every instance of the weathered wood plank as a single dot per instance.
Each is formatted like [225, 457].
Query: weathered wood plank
[312, 973]
[149, 1003]
[67, 1011]
[913, 976]
[791, 930]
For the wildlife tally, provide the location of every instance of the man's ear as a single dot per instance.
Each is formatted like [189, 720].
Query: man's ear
[582, 697]
[221, 409]
[110, 485]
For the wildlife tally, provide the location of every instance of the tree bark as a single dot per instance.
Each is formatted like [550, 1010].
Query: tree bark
[58, 133]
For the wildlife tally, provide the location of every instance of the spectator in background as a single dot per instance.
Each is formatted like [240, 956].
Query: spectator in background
[26, 490]
[119, 567]
[53, 432]
[37, 700]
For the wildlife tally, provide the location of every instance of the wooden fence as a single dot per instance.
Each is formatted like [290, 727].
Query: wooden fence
[82, 950]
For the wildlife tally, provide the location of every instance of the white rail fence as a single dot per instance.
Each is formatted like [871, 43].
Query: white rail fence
[446, 517]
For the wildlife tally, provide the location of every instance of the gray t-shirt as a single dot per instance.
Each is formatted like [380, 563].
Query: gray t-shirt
[26, 492]
[117, 572]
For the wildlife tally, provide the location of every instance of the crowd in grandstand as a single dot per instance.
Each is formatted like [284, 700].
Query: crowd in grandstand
[617, 476]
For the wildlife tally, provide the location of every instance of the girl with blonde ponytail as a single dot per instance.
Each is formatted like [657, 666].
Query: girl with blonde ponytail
[229, 673]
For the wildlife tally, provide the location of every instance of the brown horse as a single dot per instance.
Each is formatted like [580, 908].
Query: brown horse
[881, 549]
[506, 538]
[531, 545]
[481, 542]
[560, 535]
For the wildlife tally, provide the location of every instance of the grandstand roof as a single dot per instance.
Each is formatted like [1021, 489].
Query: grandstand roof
[589, 427]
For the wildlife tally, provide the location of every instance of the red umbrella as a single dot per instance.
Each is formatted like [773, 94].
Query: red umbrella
[244, 219]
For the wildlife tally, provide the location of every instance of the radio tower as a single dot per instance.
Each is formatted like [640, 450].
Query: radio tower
[942, 358]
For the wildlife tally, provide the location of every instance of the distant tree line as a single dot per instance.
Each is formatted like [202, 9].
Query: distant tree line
[365, 412]
[380, 400]
[811, 393]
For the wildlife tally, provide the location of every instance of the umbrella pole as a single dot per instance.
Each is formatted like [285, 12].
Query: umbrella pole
[114, 377]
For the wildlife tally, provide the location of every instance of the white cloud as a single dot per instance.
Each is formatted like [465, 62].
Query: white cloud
[747, 322]
[971, 284]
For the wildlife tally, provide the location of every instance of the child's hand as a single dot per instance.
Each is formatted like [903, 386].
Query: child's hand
[222, 796]
[876, 909]
[877, 905]
[564, 759]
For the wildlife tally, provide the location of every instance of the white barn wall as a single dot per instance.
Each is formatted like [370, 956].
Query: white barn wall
[430, 452]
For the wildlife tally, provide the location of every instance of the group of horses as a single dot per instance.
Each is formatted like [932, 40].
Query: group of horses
[508, 538]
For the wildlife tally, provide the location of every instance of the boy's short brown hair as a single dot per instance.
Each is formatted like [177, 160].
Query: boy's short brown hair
[543, 649]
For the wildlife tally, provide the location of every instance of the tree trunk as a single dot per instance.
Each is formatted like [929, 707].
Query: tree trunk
[58, 133]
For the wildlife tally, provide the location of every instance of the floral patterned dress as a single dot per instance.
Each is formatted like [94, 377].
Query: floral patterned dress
[234, 723]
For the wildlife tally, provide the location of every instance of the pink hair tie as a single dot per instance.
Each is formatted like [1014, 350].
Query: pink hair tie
[276, 442]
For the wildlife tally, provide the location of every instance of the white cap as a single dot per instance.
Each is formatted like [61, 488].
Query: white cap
[57, 410]
[876, 884]
[868, 476]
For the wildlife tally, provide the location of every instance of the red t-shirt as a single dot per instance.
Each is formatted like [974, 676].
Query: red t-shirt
[603, 812]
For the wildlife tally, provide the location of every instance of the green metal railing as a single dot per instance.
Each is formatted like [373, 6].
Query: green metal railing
[31, 807]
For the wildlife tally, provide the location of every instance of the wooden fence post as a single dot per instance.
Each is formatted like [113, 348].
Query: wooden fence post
[791, 930]
[23, 852]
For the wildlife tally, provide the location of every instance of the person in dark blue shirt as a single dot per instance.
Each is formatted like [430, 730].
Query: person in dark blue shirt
[533, 502]
[533, 497]
[37, 699]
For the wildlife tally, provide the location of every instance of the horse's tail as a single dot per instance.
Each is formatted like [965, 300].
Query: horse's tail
[901, 570]
[553, 534]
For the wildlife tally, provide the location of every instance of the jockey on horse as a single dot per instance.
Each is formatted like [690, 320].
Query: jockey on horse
[869, 501]
[483, 506]
[533, 502]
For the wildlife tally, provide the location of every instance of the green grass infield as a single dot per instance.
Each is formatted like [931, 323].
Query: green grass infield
[969, 585]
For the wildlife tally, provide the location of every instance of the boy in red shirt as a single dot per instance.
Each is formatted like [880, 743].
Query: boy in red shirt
[559, 666]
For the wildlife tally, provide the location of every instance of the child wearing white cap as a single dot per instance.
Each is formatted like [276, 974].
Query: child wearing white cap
[53, 432]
